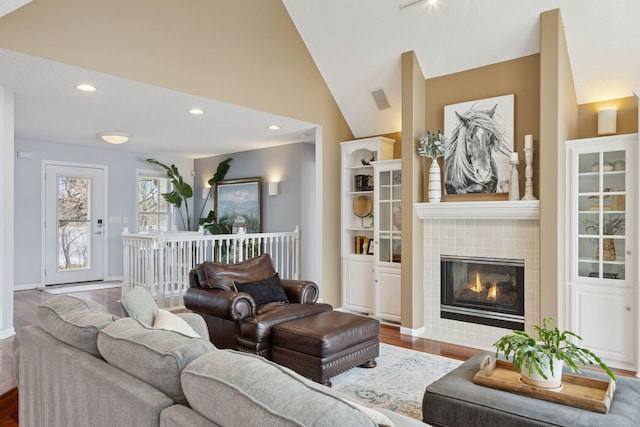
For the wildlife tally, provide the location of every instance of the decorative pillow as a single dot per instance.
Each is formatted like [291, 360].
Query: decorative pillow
[264, 291]
[140, 305]
[75, 321]
[155, 356]
[168, 321]
[270, 393]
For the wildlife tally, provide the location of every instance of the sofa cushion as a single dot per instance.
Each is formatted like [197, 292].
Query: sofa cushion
[218, 275]
[168, 321]
[264, 291]
[139, 304]
[75, 321]
[155, 356]
[246, 388]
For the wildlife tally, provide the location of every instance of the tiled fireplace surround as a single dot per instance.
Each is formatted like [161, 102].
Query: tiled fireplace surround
[508, 229]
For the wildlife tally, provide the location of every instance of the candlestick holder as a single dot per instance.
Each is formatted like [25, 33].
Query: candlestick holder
[514, 185]
[528, 173]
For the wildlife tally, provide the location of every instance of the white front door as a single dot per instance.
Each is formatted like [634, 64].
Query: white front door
[74, 223]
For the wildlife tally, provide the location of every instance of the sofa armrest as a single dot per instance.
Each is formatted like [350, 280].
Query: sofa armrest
[228, 305]
[301, 291]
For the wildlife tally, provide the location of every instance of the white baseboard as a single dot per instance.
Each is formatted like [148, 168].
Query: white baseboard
[412, 332]
[6, 333]
[27, 287]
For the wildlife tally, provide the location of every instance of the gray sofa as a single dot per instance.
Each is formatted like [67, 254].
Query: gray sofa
[82, 366]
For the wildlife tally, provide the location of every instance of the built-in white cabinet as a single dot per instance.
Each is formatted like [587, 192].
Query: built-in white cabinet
[602, 246]
[387, 214]
[358, 216]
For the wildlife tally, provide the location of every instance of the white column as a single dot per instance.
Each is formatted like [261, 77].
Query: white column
[6, 213]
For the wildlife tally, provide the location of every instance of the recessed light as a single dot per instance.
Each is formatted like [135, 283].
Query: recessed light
[196, 111]
[85, 87]
[273, 127]
[114, 137]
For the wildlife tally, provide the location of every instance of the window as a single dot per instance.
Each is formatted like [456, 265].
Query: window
[154, 213]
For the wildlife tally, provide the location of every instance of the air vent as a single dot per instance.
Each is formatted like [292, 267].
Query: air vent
[381, 99]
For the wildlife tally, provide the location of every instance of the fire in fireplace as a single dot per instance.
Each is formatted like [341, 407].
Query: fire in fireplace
[486, 291]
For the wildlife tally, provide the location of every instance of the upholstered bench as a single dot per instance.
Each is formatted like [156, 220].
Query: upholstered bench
[326, 344]
[455, 400]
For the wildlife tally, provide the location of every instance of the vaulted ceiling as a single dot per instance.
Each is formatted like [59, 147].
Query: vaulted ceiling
[356, 46]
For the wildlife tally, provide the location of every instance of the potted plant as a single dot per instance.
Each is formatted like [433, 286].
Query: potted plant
[433, 145]
[540, 360]
[612, 225]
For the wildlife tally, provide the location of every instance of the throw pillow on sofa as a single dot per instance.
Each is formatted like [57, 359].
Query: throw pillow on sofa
[155, 356]
[170, 322]
[264, 391]
[75, 321]
[264, 291]
[139, 304]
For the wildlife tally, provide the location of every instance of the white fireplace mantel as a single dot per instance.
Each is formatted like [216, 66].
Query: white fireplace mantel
[508, 209]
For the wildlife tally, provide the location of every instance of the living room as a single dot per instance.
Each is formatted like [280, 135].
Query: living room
[280, 77]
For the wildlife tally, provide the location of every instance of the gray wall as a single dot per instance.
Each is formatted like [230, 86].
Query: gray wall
[293, 166]
[121, 184]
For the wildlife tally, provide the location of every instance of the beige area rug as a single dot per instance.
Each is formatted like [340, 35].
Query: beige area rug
[79, 287]
[398, 382]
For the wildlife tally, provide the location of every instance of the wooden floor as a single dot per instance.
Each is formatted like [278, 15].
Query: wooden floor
[25, 308]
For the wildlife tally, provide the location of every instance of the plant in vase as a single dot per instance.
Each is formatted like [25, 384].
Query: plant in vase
[433, 145]
[540, 360]
[613, 224]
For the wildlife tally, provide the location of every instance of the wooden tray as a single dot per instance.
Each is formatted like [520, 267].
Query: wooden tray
[577, 391]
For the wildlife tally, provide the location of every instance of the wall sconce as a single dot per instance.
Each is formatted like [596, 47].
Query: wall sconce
[607, 122]
[273, 188]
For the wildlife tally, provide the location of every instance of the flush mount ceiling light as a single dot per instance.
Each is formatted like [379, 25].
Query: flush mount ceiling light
[114, 137]
[414, 2]
[273, 127]
[196, 111]
[85, 87]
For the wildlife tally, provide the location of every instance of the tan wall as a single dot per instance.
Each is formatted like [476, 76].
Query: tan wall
[243, 52]
[520, 77]
[627, 116]
[558, 123]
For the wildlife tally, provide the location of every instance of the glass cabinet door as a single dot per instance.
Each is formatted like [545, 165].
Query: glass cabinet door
[601, 244]
[389, 215]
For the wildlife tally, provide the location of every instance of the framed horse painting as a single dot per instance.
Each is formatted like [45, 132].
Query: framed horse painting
[480, 135]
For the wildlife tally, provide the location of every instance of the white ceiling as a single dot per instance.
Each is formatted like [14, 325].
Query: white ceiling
[49, 108]
[356, 45]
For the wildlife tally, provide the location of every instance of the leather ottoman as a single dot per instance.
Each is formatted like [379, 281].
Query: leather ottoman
[326, 344]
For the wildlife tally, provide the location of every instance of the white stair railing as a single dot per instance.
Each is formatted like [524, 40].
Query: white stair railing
[161, 262]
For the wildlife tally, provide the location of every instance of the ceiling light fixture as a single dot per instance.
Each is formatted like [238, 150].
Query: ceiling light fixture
[196, 111]
[114, 137]
[85, 87]
[273, 127]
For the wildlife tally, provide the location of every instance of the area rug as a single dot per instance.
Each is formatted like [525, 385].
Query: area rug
[80, 287]
[398, 382]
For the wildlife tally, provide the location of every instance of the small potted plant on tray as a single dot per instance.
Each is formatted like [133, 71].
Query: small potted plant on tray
[540, 360]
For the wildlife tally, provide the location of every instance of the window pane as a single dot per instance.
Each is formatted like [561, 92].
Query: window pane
[73, 245]
[73, 198]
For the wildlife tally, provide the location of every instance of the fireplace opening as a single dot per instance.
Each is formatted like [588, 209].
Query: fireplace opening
[486, 291]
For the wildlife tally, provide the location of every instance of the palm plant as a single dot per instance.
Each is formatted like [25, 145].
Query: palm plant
[182, 191]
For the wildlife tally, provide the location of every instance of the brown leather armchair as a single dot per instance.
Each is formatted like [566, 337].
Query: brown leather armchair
[233, 318]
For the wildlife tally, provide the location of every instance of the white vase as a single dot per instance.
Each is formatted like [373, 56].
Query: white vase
[553, 381]
[435, 186]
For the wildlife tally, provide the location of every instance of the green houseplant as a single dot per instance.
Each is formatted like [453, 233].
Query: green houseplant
[530, 356]
[182, 192]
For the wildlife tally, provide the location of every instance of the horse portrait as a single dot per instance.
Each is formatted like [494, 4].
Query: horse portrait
[474, 144]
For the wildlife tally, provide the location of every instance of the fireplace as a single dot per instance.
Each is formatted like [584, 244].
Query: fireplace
[486, 291]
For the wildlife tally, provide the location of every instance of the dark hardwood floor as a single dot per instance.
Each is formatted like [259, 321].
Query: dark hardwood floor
[25, 308]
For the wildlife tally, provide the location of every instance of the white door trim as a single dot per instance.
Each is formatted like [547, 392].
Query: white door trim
[105, 170]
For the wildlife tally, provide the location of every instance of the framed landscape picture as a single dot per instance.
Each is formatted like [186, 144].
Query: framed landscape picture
[480, 135]
[238, 204]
